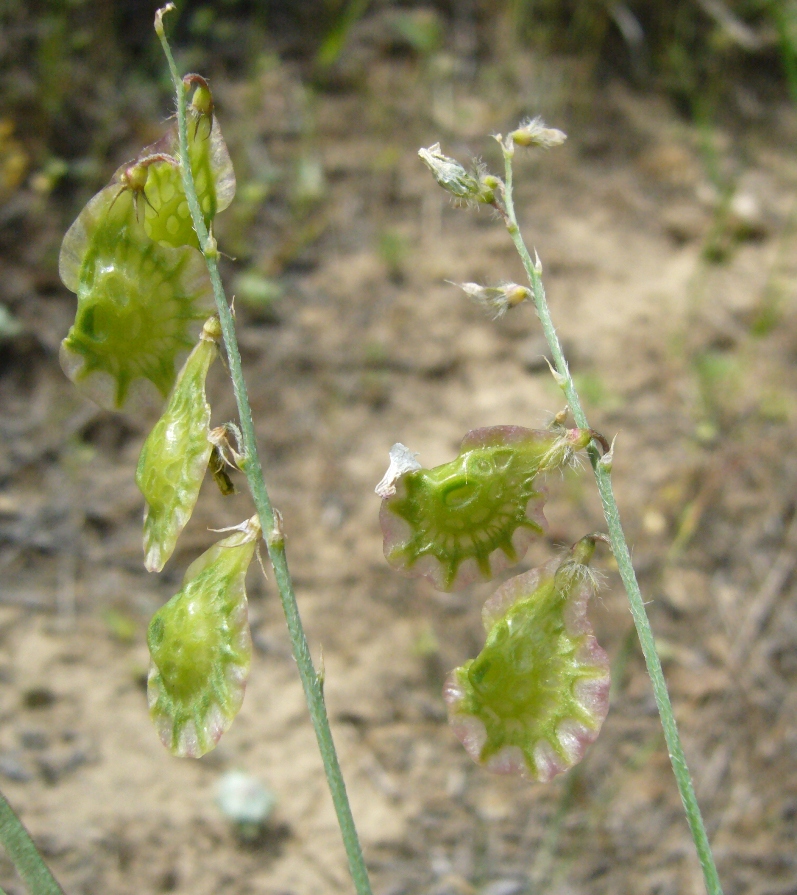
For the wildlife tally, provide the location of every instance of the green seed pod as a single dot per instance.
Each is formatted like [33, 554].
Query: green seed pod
[139, 304]
[175, 455]
[201, 648]
[470, 519]
[536, 696]
[167, 217]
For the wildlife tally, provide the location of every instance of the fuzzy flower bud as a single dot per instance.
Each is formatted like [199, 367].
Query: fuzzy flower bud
[477, 186]
[202, 100]
[496, 300]
[534, 133]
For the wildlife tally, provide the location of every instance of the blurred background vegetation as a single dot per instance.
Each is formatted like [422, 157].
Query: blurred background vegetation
[69, 67]
[82, 86]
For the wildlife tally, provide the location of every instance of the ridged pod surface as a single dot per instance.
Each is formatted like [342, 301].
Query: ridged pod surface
[201, 648]
[470, 519]
[536, 696]
[167, 218]
[139, 304]
[175, 456]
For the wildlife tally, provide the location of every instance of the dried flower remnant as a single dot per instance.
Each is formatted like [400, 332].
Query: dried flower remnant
[402, 460]
[139, 303]
[496, 300]
[175, 455]
[201, 648]
[536, 696]
[217, 466]
[477, 186]
[469, 519]
[534, 132]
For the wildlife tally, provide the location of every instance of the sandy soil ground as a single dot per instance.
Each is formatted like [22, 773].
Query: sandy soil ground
[676, 304]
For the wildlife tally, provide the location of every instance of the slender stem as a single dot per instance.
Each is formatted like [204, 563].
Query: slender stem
[24, 854]
[269, 519]
[621, 552]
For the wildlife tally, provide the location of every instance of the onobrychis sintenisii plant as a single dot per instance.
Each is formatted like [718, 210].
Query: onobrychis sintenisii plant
[506, 720]
[537, 693]
[143, 261]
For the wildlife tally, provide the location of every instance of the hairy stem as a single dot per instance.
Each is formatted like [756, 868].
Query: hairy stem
[620, 549]
[24, 855]
[269, 519]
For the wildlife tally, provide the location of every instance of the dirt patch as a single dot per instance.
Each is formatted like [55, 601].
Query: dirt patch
[689, 361]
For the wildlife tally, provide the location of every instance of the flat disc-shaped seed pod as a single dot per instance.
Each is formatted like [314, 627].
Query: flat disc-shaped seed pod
[469, 519]
[139, 304]
[167, 217]
[175, 456]
[200, 647]
[536, 696]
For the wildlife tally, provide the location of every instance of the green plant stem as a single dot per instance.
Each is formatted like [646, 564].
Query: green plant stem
[270, 521]
[620, 549]
[24, 855]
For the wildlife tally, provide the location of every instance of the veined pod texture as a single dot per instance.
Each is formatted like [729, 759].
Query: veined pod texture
[174, 459]
[139, 304]
[201, 648]
[536, 696]
[475, 516]
[167, 218]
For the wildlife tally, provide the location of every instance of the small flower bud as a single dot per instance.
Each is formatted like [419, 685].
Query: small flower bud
[202, 100]
[607, 460]
[211, 249]
[477, 186]
[496, 300]
[560, 380]
[134, 178]
[535, 133]
[159, 18]
[449, 173]
[211, 331]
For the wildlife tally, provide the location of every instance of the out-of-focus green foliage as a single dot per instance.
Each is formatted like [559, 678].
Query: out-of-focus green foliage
[685, 47]
[51, 53]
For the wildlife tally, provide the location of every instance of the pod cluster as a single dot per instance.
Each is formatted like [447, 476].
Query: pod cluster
[132, 258]
[536, 696]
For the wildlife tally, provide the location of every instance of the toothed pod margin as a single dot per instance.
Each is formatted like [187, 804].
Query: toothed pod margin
[139, 304]
[536, 696]
[201, 648]
[470, 519]
[175, 455]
